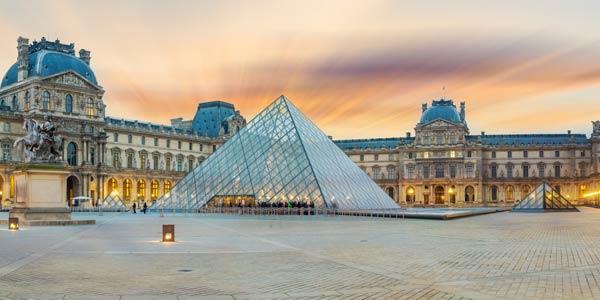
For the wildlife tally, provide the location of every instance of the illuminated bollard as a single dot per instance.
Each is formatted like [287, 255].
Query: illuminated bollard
[13, 223]
[168, 235]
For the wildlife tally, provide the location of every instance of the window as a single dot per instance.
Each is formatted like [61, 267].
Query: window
[376, 157]
[143, 140]
[15, 103]
[6, 127]
[27, 100]
[113, 186]
[155, 142]
[494, 193]
[582, 153]
[115, 137]
[556, 153]
[493, 154]
[452, 154]
[509, 154]
[452, 171]
[116, 159]
[141, 189]
[375, 172]
[179, 165]
[391, 173]
[90, 107]
[525, 154]
[68, 103]
[190, 164]
[541, 153]
[425, 140]
[557, 171]
[510, 193]
[426, 155]
[178, 144]
[167, 186]
[127, 189]
[453, 140]
[425, 171]
[362, 157]
[410, 155]
[439, 171]
[191, 146]
[582, 171]
[542, 169]
[469, 171]
[439, 139]
[168, 163]
[143, 158]
[129, 138]
[214, 148]
[525, 171]
[154, 190]
[509, 171]
[6, 152]
[72, 154]
[129, 160]
[168, 143]
[494, 171]
[410, 171]
[201, 146]
[390, 157]
[469, 154]
[155, 161]
[46, 100]
[93, 155]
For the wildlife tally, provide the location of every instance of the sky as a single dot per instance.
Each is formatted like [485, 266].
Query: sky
[358, 69]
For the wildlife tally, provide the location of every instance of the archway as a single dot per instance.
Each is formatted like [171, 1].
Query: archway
[390, 192]
[113, 186]
[452, 194]
[127, 190]
[440, 198]
[1, 191]
[510, 193]
[72, 189]
[494, 193]
[154, 190]
[469, 194]
[410, 194]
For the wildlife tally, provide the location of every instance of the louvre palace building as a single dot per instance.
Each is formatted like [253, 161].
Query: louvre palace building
[140, 161]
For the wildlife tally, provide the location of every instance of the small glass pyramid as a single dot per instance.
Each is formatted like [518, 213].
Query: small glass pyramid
[112, 202]
[544, 198]
[279, 157]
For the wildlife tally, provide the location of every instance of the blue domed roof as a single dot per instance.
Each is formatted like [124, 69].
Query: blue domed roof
[442, 109]
[45, 63]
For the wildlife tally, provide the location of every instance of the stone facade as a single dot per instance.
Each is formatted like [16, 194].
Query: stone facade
[444, 164]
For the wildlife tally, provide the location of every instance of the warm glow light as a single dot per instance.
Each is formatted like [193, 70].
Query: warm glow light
[168, 233]
[13, 223]
[591, 194]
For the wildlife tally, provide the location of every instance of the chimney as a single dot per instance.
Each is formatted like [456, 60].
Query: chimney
[85, 56]
[407, 134]
[424, 107]
[22, 58]
[483, 133]
[462, 110]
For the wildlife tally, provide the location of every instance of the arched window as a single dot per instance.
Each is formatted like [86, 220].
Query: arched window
[113, 186]
[494, 193]
[440, 198]
[90, 107]
[68, 103]
[46, 100]
[510, 193]
[15, 103]
[154, 190]
[141, 189]
[469, 194]
[525, 189]
[27, 100]
[410, 194]
[72, 154]
[390, 192]
[167, 187]
[127, 189]
[391, 172]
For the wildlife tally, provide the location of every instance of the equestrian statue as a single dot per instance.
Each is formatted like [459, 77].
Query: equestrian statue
[41, 144]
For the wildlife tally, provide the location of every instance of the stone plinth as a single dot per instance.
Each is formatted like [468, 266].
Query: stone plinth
[40, 191]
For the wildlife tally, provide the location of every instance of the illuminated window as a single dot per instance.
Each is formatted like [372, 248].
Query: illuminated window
[154, 189]
[167, 186]
[141, 189]
[46, 100]
[68, 103]
[127, 189]
[90, 107]
[452, 154]
[12, 186]
[113, 186]
[510, 193]
[426, 155]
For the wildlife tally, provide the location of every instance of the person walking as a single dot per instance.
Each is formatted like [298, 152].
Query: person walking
[145, 207]
[134, 206]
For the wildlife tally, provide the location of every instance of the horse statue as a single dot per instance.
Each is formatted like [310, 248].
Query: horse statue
[40, 143]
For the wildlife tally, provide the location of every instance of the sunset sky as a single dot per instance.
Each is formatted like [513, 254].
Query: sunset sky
[358, 69]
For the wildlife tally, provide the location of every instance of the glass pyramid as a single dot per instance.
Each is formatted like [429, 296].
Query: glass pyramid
[112, 202]
[544, 198]
[279, 157]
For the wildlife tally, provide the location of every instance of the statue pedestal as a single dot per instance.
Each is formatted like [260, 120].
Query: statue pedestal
[41, 191]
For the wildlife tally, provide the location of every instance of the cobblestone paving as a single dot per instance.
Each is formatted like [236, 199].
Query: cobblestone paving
[497, 256]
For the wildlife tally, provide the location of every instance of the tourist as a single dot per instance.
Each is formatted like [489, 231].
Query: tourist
[133, 206]
[145, 207]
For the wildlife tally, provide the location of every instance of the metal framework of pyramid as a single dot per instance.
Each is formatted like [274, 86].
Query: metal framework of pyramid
[278, 157]
[112, 202]
[543, 199]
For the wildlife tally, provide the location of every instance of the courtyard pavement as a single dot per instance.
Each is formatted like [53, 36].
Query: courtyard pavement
[496, 256]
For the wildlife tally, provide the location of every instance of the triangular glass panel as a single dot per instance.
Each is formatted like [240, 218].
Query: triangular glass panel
[544, 199]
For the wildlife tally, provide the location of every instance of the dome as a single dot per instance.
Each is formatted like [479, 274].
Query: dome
[45, 63]
[442, 109]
